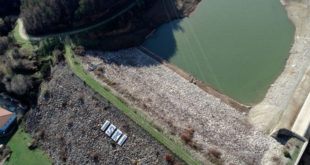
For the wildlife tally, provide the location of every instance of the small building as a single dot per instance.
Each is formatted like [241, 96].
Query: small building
[7, 121]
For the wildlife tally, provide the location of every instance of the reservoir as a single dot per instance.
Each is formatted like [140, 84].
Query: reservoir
[239, 47]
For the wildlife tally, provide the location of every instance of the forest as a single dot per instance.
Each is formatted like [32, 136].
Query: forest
[46, 16]
[9, 7]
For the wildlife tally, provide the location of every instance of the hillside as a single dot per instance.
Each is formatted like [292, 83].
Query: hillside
[132, 28]
[127, 30]
[46, 16]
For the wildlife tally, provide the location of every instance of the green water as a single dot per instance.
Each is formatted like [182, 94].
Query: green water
[237, 46]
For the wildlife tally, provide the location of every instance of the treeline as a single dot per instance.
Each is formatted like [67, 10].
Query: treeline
[22, 69]
[7, 24]
[132, 28]
[46, 16]
[9, 7]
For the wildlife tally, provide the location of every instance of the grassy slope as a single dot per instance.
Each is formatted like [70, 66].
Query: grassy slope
[21, 154]
[77, 69]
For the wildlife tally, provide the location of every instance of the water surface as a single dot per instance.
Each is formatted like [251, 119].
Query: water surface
[239, 47]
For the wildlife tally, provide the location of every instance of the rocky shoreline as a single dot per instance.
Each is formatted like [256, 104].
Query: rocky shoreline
[177, 105]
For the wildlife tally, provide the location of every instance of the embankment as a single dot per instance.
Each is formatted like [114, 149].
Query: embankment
[286, 96]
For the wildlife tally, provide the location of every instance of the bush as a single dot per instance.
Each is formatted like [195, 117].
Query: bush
[58, 56]
[15, 53]
[20, 85]
[4, 42]
[144, 106]
[41, 134]
[69, 123]
[26, 52]
[81, 98]
[169, 158]
[63, 156]
[214, 156]
[94, 156]
[60, 137]
[45, 92]
[33, 144]
[195, 145]
[3, 27]
[187, 136]
[178, 163]
[80, 51]
[276, 159]
[215, 153]
[134, 162]
[112, 143]
[287, 154]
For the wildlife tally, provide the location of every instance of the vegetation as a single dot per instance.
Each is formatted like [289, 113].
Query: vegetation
[287, 154]
[24, 65]
[46, 16]
[169, 158]
[21, 154]
[45, 46]
[9, 7]
[6, 24]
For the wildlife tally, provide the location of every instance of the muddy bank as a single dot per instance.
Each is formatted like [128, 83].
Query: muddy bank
[287, 94]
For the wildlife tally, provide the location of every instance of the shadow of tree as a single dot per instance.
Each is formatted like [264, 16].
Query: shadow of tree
[164, 39]
[166, 43]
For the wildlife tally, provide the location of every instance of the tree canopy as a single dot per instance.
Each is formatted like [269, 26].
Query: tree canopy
[45, 16]
[9, 7]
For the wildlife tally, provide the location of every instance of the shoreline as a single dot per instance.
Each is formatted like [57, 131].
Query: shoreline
[172, 101]
[286, 95]
[202, 85]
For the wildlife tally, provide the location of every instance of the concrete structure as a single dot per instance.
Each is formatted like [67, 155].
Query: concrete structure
[122, 140]
[117, 135]
[105, 125]
[7, 121]
[301, 124]
[110, 130]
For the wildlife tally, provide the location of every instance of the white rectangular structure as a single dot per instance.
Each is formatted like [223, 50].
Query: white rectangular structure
[105, 125]
[110, 130]
[122, 140]
[117, 135]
